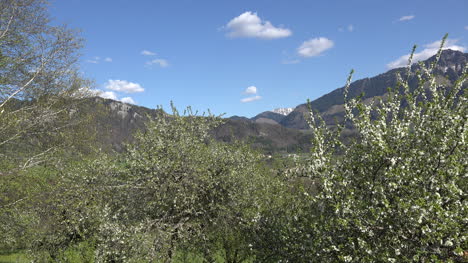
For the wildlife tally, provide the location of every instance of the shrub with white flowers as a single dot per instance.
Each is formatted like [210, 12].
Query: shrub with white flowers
[176, 192]
[398, 192]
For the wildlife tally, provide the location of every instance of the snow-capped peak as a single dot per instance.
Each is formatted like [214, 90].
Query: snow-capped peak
[283, 111]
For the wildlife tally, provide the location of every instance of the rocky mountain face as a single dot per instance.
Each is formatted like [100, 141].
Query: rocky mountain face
[331, 107]
[114, 122]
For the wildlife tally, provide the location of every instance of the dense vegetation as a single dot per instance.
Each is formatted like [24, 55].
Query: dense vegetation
[396, 193]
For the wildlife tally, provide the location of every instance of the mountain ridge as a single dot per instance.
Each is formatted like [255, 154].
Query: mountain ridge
[450, 65]
[268, 131]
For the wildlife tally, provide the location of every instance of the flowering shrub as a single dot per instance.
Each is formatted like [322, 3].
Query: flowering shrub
[175, 190]
[398, 192]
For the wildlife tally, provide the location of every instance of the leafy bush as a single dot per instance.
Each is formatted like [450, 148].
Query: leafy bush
[176, 190]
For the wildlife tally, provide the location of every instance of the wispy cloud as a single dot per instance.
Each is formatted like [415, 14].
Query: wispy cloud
[123, 86]
[94, 60]
[315, 47]
[250, 99]
[161, 62]
[157, 61]
[428, 51]
[249, 25]
[97, 60]
[147, 53]
[406, 18]
[349, 28]
[466, 27]
[290, 62]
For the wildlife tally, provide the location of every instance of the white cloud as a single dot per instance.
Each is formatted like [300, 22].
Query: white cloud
[93, 61]
[428, 51]
[124, 86]
[466, 27]
[127, 100]
[105, 94]
[147, 53]
[251, 90]
[315, 47]
[108, 59]
[90, 92]
[406, 18]
[350, 28]
[250, 99]
[250, 25]
[109, 95]
[161, 62]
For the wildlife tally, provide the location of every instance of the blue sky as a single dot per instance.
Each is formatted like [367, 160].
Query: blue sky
[245, 57]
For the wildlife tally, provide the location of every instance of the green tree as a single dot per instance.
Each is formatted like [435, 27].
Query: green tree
[177, 193]
[39, 81]
[38, 69]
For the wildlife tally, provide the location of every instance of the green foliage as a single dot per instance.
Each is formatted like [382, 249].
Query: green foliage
[15, 257]
[39, 80]
[176, 189]
[82, 252]
[39, 85]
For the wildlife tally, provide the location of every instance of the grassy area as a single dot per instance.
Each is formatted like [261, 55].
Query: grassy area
[14, 257]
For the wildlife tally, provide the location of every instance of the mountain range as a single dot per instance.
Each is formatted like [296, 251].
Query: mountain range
[279, 130]
[330, 105]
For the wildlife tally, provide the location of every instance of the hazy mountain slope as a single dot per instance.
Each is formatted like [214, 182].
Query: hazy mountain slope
[267, 137]
[268, 117]
[115, 122]
[235, 117]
